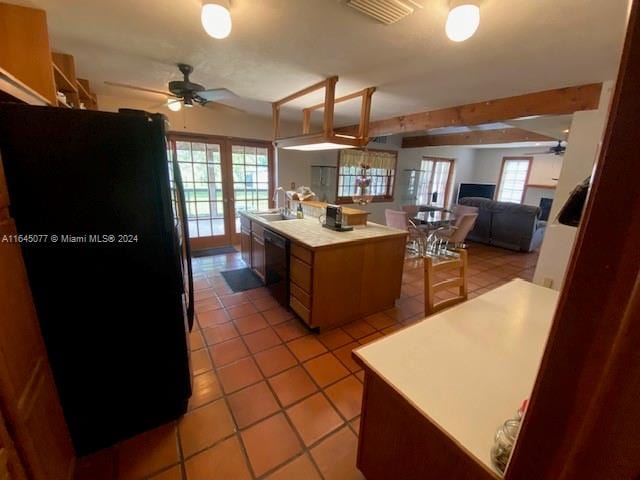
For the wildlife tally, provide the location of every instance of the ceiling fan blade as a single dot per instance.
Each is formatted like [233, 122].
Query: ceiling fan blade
[158, 105]
[141, 89]
[216, 94]
[224, 105]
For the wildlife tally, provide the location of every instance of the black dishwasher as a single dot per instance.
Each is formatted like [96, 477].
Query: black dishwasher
[276, 250]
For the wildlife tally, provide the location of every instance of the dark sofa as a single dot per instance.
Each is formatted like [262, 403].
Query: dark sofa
[506, 225]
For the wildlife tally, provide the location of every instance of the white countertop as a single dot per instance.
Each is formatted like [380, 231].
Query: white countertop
[310, 233]
[469, 368]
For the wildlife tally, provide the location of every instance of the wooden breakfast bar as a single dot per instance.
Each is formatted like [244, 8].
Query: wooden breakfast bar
[435, 392]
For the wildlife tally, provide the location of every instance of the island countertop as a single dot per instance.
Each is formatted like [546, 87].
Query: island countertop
[309, 232]
[469, 368]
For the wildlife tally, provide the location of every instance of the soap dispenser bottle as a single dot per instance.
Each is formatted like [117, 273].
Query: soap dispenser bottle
[299, 211]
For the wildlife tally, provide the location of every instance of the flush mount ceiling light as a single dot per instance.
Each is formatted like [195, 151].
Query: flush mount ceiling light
[174, 105]
[463, 20]
[327, 138]
[216, 18]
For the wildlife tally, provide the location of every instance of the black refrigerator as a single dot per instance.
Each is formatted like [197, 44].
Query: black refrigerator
[99, 206]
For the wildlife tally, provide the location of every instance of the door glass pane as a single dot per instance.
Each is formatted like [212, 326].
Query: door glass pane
[200, 167]
[250, 166]
[433, 182]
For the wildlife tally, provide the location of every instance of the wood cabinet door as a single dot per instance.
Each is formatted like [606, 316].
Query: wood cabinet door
[30, 403]
[257, 256]
[245, 246]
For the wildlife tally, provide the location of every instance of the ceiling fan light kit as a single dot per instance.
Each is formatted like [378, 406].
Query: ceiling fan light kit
[174, 105]
[463, 20]
[216, 18]
[185, 92]
[327, 138]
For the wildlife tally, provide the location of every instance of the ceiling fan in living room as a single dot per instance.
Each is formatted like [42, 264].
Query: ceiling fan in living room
[558, 149]
[185, 92]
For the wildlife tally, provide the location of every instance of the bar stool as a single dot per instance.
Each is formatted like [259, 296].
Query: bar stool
[437, 265]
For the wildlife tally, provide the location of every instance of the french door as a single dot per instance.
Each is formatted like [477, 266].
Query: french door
[221, 176]
[435, 181]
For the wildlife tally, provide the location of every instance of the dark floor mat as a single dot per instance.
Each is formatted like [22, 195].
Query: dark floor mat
[209, 252]
[241, 279]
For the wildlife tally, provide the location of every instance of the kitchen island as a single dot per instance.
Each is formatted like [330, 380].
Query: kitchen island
[334, 277]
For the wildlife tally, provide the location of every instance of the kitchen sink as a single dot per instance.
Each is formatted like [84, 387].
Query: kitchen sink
[274, 217]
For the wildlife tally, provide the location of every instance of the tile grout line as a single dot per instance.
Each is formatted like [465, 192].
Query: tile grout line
[399, 318]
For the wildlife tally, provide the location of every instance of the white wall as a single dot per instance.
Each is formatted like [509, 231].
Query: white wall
[587, 130]
[488, 162]
[462, 167]
[296, 166]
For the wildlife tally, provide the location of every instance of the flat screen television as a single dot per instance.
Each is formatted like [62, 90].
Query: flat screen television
[484, 190]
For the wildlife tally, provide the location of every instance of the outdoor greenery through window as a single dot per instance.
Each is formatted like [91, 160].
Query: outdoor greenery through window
[513, 179]
[382, 173]
[435, 181]
[201, 172]
[250, 179]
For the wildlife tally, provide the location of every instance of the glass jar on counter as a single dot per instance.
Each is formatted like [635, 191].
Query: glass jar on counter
[505, 439]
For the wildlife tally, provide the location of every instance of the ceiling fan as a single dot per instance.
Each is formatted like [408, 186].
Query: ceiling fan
[558, 149]
[185, 92]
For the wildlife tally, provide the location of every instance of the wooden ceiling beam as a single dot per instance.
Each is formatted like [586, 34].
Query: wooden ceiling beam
[477, 137]
[559, 101]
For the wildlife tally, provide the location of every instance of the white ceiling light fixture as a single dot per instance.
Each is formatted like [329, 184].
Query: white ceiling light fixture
[216, 18]
[174, 105]
[463, 20]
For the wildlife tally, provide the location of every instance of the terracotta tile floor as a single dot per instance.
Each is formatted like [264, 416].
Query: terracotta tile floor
[272, 400]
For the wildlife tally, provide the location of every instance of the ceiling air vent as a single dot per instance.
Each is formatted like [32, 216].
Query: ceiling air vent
[385, 11]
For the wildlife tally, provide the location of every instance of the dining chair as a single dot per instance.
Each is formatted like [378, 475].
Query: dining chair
[436, 280]
[456, 234]
[412, 210]
[459, 210]
[400, 220]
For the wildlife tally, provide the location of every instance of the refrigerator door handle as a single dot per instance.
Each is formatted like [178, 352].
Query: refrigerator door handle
[185, 235]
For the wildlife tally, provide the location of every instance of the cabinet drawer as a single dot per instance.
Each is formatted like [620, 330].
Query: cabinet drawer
[257, 229]
[302, 253]
[245, 223]
[302, 312]
[303, 297]
[300, 274]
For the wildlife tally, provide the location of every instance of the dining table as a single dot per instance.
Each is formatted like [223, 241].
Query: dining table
[434, 219]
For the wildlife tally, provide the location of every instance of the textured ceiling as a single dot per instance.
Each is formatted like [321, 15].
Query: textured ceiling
[279, 46]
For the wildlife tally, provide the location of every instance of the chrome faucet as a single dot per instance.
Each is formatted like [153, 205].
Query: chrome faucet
[282, 208]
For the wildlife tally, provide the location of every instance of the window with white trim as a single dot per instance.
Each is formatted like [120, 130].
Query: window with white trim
[513, 179]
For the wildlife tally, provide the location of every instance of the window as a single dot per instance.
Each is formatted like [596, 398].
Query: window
[435, 181]
[201, 174]
[251, 179]
[513, 179]
[382, 174]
